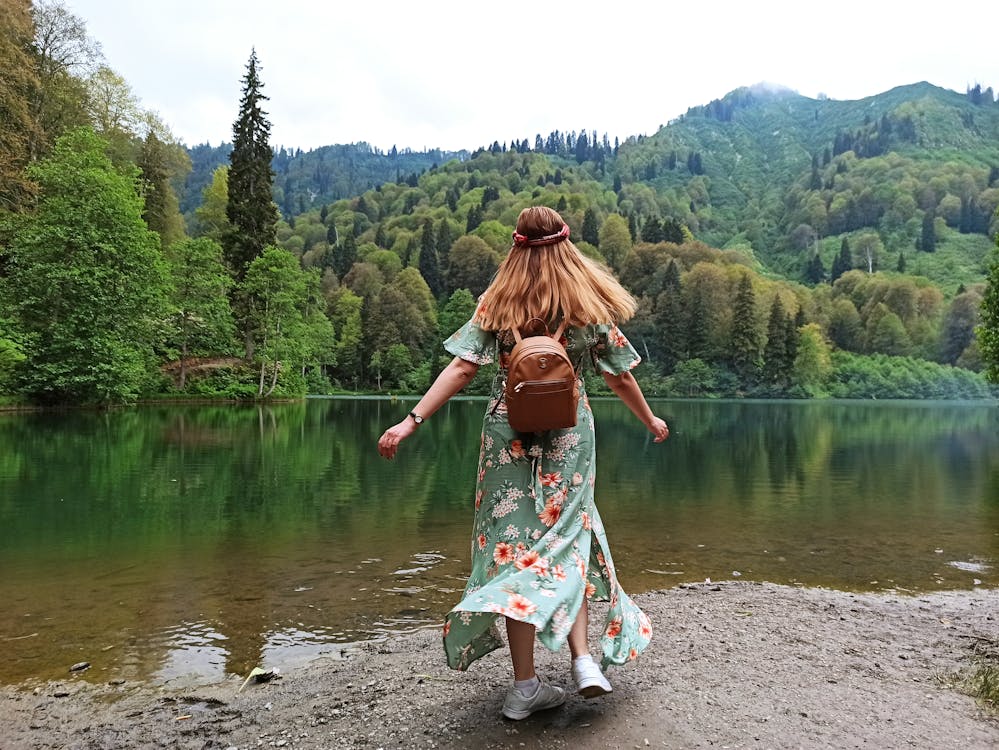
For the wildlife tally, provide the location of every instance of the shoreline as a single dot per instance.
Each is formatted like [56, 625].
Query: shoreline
[735, 663]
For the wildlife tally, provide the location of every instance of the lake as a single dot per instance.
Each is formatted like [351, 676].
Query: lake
[178, 544]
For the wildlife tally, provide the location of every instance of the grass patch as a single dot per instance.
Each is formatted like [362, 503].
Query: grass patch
[982, 682]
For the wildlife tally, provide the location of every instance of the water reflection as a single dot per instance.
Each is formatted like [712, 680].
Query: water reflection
[183, 543]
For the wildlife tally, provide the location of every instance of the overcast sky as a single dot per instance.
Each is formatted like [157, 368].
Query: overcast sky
[462, 74]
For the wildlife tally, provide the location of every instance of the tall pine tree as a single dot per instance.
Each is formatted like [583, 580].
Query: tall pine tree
[670, 323]
[842, 262]
[444, 250]
[429, 264]
[745, 347]
[250, 209]
[776, 364]
[591, 230]
[928, 239]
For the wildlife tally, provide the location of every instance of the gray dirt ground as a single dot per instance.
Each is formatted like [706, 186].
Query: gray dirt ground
[732, 665]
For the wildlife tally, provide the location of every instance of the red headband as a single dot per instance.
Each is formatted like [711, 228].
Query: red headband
[521, 241]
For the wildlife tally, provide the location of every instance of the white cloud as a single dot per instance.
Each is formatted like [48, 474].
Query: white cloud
[460, 75]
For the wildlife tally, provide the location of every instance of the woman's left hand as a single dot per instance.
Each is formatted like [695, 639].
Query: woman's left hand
[658, 428]
[388, 443]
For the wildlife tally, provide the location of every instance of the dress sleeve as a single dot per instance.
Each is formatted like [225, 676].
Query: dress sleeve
[472, 343]
[613, 353]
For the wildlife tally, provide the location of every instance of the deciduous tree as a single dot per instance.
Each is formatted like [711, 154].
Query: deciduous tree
[88, 279]
[614, 241]
[213, 222]
[199, 285]
[162, 211]
[19, 87]
[277, 291]
[988, 330]
[65, 55]
[472, 264]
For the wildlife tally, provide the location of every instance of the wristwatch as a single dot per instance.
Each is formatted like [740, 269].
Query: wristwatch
[416, 418]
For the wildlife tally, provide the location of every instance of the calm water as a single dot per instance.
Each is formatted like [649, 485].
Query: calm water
[178, 544]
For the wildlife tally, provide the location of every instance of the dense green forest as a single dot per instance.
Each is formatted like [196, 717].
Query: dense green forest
[778, 245]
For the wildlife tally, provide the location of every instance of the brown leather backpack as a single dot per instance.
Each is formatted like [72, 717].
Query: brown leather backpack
[542, 391]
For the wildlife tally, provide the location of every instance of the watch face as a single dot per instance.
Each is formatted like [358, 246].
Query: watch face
[416, 418]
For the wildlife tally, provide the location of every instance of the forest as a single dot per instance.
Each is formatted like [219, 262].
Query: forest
[779, 246]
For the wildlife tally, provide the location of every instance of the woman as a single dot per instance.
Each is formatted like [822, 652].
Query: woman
[539, 550]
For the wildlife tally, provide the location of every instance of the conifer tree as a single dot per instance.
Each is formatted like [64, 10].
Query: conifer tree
[697, 327]
[776, 367]
[652, 230]
[745, 345]
[842, 262]
[429, 263]
[473, 220]
[672, 231]
[928, 239]
[444, 248]
[790, 343]
[670, 323]
[900, 266]
[632, 227]
[591, 232]
[344, 255]
[816, 271]
[250, 209]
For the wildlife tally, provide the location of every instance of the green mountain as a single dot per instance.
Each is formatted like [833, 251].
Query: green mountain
[771, 170]
[763, 169]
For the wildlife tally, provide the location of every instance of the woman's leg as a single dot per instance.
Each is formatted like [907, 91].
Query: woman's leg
[590, 681]
[578, 644]
[521, 637]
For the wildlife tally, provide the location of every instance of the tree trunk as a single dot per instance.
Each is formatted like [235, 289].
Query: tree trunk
[277, 365]
[183, 365]
[260, 388]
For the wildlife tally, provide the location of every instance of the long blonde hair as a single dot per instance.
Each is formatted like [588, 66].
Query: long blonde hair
[551, 282]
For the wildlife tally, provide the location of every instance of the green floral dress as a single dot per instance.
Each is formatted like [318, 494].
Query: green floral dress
[538, 544]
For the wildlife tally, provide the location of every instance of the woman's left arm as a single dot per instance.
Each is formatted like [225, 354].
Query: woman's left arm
[452, 379]
[627, 389]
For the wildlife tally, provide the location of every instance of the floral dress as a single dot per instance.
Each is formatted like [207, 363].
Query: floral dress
[538, 544]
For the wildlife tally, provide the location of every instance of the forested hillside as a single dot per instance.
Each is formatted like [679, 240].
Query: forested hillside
[781, 174]
[307, 178]
[778, 245]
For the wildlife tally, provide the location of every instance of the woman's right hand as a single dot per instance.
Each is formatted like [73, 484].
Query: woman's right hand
[388, 443]
[658, 428]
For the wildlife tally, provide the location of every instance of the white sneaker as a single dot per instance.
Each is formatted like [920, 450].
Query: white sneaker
[590, 681]
[517, 706]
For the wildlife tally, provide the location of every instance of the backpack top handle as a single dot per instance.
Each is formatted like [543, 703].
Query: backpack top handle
[557, 335]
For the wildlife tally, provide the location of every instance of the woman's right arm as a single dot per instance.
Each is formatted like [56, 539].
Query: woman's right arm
[627, 389]
[452, 379]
